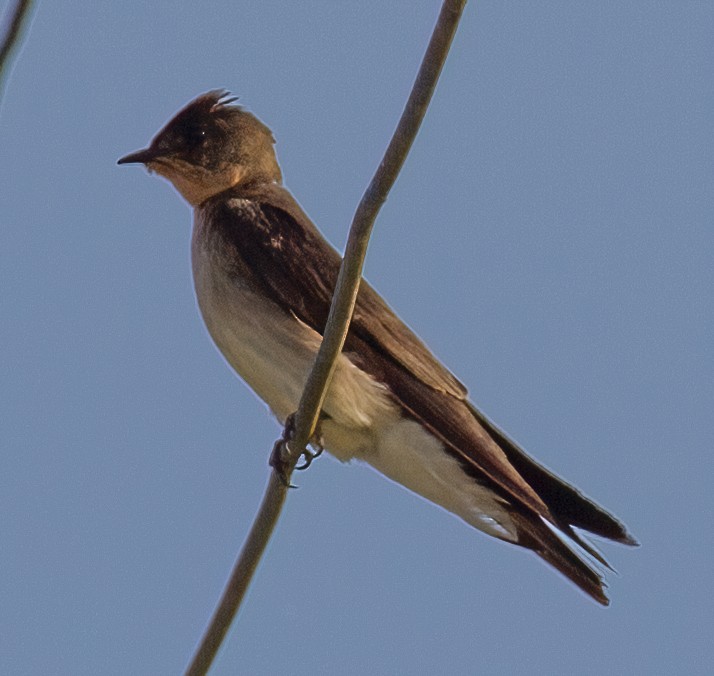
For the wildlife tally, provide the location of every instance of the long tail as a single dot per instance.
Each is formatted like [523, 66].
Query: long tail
[569, 508]
[534, 534]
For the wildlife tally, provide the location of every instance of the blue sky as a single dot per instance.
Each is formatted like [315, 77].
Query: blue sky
[550, 238]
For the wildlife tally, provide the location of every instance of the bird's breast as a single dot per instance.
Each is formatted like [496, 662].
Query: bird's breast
[273, 351]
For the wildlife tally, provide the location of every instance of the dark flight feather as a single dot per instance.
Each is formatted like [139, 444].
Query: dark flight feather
[273, 245]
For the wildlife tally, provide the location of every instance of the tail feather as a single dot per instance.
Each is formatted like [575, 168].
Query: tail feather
[588, 547]
[568, 506]
[569, 509]
[534, 534]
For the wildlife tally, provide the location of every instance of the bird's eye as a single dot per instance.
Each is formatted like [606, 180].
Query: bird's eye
[198, 137]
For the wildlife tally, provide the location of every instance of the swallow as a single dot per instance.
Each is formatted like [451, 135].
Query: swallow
[264, 277]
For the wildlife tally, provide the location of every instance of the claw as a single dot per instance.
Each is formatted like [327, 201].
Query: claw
[280, 453]
[278, 463]
[309, 457]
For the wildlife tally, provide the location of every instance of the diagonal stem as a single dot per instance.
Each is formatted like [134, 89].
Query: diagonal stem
[13, 33]
[343, 303]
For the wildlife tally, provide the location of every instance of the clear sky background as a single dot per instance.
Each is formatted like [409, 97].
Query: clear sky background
[550, 238]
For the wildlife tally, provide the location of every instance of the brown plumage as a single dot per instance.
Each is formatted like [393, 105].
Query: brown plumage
[254, 247]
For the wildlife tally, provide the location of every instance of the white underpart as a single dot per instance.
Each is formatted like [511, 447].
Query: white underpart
[409, 455]
[273, 353]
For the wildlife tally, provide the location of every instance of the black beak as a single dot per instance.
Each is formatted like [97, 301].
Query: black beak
[139, 157]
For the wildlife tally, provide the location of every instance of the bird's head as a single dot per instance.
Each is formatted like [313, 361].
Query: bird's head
[210, 146]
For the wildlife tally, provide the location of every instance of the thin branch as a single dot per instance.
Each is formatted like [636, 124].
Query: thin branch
[12, 35]
[345, 295]
[241, 576]
[343, 303]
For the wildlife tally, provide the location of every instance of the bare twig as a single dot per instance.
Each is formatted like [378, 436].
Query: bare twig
[336, 329]
[12, 35]
[345, 295]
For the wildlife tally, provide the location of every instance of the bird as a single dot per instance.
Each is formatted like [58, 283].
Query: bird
[264, 277]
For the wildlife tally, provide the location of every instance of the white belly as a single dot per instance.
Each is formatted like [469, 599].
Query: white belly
[273, 352]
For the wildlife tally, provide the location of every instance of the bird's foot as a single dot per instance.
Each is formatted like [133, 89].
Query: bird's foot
[310, 456]
[281, 454]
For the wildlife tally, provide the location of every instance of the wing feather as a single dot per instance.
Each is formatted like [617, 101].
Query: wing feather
[277, 246]
[272, 246]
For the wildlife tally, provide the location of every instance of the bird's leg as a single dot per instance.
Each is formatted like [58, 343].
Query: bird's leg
[278, 463]
[280, 453]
